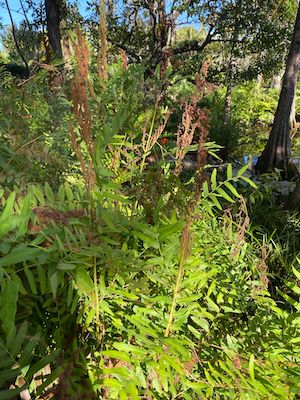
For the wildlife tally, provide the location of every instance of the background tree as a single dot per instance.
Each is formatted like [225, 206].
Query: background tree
[13, 30]
[277, 153]
[53, 17]
[258, 32]
[30, 41]
[293, 201]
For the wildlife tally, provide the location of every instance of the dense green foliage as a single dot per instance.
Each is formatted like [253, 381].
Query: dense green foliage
[140, 256]
[87, 283]
[98, 295]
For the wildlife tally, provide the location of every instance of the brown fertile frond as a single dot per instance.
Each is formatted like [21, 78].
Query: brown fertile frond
[195, 121]
[81, 54]
[87, 169]
[81, 109]
[79, 90]
[123, 59]
[185, 135]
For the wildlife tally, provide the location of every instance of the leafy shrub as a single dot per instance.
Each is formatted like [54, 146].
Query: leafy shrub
[252, 111]
[33, 133]
[135, 287]
[98, 294]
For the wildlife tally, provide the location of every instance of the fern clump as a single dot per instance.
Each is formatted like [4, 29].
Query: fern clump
[94, 297]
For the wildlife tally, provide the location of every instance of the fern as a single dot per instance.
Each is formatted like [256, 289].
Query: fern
[223, 190]
[18, 361]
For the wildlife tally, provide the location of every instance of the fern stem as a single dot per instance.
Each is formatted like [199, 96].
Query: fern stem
[148, 147]
[98, 323]
[175, 297]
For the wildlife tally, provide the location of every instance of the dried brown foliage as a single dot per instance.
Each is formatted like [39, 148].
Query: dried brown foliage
[195, 122]
[80, 87]
[123, 59]
[47, 214]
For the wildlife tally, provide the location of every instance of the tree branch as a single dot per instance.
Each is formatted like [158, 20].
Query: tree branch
[127, 49]
[15, 36]
[194, 45]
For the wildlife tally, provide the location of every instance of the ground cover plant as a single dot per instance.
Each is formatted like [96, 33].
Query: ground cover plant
[140, 256]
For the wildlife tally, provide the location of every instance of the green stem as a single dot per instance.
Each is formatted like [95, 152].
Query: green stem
[175, 296]
[98, 323]
[183, 256]
[148, 148]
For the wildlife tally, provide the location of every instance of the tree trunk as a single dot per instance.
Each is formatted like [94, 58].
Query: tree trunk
[53, 16]
[293, 202]
[293, 122]
[277, 153]
[161, 28]
[163, 36]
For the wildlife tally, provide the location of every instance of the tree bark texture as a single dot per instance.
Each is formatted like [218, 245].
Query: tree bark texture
[293, 121]
[277, 153]
[163, 36]
[53, 16]
[293, 201]
[161, 27]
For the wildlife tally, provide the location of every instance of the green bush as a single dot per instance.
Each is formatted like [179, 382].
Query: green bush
[118, 290]
[34, 134]
[252, 110]
[89, 296]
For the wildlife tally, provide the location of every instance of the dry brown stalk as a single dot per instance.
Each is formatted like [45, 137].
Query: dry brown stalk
[185, 134]
[102, 55]
[123, 59]
[79, 89]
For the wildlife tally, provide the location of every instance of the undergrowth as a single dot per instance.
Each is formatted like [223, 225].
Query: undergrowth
[121, 280]
[85, 305]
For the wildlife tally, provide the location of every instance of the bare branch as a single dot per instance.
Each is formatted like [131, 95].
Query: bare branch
[194, 45]
[15, 36]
